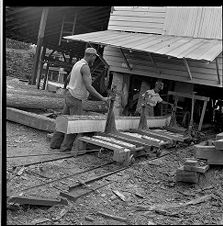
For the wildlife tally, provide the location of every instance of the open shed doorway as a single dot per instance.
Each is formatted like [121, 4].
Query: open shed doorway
[135, 91]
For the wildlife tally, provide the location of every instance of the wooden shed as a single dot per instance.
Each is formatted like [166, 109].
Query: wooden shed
[181, 45]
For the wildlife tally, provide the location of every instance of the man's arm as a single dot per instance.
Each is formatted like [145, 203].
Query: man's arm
[85, 70]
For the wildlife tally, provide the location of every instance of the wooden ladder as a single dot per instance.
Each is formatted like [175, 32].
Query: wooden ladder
[67, 26]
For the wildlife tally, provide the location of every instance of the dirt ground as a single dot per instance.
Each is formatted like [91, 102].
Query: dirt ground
[154, 181]
[151, 194]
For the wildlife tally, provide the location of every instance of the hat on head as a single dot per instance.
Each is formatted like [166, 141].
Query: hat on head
[91, 51]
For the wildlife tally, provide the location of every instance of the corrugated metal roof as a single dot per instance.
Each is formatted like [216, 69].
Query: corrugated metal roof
[175, 46]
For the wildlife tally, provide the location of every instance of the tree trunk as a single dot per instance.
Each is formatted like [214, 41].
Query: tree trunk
[17, 100]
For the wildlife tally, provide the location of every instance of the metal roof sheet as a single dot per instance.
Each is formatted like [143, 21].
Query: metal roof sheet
[175, 46]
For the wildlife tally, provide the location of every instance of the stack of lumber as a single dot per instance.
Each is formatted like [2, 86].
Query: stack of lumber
[212, 151]
[189, 171]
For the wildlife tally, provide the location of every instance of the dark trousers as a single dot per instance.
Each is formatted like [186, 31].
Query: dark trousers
[72, 106]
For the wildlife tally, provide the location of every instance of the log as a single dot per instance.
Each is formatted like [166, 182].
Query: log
[36, 92]
[49, 102]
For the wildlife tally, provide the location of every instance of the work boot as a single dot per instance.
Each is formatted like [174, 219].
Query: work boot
[68, 142]
[56, 140]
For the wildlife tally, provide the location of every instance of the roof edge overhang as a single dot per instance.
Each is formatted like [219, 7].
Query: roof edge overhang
[169, 45]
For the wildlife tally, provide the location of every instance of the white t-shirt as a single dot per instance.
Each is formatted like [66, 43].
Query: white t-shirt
[152, 98]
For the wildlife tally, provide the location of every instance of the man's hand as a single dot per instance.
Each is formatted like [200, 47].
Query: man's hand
[106, 99]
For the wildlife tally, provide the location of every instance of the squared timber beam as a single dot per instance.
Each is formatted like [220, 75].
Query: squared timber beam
[188, 68]
[30, 119]
[126, 61]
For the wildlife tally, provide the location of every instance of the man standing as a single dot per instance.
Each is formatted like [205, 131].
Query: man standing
[78, 89]
[152, 97]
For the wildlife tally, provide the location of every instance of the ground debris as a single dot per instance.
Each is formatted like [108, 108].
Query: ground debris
[62, 213]
[169, 206]
[40, 220]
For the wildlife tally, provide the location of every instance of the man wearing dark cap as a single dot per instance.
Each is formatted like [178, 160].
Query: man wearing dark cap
[78, 89]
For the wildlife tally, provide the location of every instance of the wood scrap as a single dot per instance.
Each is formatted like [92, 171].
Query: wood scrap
[120, 195]
[112, 216]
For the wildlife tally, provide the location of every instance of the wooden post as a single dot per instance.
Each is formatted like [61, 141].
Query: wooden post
[39, 43]
[46, 76]
[202, 115]
[39, 72]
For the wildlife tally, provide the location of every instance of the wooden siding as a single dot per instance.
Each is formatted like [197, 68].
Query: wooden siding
[172, 69]
[138, 19]
[197, 22]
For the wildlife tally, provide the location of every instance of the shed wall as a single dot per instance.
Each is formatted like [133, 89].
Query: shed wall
[138, 19]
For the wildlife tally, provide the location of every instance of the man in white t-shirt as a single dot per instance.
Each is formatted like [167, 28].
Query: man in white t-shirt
[152, 97]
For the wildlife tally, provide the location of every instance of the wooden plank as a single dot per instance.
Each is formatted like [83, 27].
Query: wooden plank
[116, 141]
[136, 29]
[140, 19]
[154, 135]
[140, 8]
[102, 143]
[143, 138]
[30, 119]
[134, 24]
[139, 14]
[174, 136]
[187, 95]
[126, 138]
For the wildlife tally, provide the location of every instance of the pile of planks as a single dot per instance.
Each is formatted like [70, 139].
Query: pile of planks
[210, 150]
